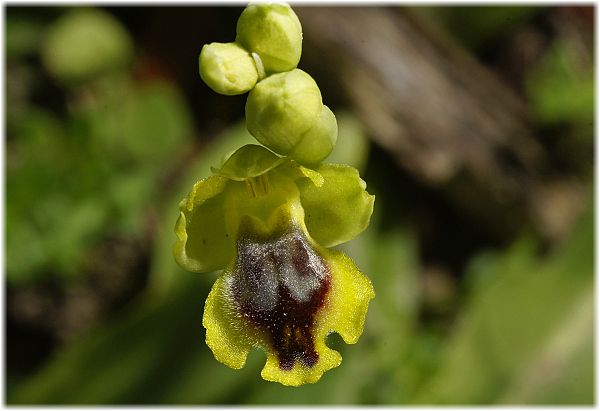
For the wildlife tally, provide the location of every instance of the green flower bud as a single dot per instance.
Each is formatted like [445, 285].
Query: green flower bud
[227, 68]
[318, 142]
[282, 108]
[272, 31]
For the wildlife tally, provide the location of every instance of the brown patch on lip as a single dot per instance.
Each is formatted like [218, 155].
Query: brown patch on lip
[279, 286]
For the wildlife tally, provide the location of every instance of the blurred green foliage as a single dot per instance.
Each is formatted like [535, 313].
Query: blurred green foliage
[85, 43]
[477, 26]
[73, 179]
[561, 88]
[527, 329]
[22, 36]
[103, 164]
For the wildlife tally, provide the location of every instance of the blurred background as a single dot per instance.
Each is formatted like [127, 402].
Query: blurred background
[473, 126]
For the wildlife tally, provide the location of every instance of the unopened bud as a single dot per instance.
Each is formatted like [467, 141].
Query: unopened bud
[272, 31]
[227, 68]
[282, 108]
[318, 142]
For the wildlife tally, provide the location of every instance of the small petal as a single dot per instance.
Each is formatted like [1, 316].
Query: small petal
[248, 161]
[204, 244]
[338, 210]
[295, 171]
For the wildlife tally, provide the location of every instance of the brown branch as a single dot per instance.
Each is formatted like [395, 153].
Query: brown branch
[441, 114]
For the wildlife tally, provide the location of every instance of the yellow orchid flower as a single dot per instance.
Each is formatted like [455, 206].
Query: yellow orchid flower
[269, 223]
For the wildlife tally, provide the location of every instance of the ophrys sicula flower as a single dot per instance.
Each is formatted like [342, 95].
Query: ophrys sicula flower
[268, 219]
[268, 224]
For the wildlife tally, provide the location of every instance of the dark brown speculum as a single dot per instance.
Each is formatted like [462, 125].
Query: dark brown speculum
[279, 284]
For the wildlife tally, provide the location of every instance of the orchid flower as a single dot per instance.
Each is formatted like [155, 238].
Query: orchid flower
[269, 216]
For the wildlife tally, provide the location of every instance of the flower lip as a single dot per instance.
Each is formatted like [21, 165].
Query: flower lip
[290, 319]
[279, 285]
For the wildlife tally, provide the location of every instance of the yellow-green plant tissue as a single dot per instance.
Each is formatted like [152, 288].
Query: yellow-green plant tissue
[282, 108]
[227, 68]
[274, 32]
